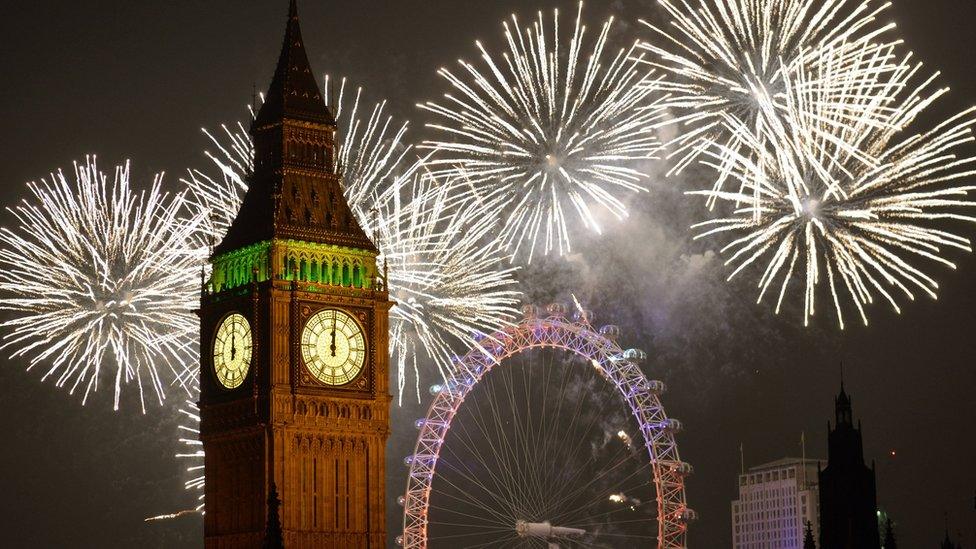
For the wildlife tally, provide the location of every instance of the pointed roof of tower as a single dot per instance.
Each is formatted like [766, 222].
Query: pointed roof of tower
[294, 90]
[842, 398]
[842, 407]
[294, 194]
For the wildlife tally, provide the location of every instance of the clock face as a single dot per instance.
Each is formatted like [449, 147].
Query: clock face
[333, 347]
[232, 351]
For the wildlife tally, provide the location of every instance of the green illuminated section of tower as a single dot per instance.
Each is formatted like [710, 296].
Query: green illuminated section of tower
[315, 263]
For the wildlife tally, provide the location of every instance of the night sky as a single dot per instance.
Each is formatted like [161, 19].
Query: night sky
[138, 80]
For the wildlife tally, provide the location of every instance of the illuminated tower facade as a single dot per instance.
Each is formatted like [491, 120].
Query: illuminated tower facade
[848, 496]
[294, 323]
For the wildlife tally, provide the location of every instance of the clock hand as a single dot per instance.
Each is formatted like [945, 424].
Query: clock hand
[332, 347]
[233, 345]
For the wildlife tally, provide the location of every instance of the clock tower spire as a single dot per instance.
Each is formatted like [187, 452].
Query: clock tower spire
[294, 340]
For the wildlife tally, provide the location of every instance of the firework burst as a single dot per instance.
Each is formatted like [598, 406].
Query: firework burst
[855, 212]
[100, 277]
[552, 129]
[446, 273]
[728, 63]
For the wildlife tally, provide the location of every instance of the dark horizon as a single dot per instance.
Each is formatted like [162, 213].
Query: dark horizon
[139, 80]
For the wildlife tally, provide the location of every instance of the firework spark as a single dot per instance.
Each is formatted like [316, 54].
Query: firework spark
[728, 63]
[99, 276]
[446, 274]
[192, 455]
[549, 129]
[855, 213]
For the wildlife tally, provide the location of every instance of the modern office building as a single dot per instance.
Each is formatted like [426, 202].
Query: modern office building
[776, 500]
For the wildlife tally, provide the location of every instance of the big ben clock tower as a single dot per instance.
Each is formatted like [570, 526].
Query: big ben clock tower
[293, 322]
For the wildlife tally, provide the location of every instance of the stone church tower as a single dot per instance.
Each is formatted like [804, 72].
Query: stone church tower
[848, 494]
[294, 354]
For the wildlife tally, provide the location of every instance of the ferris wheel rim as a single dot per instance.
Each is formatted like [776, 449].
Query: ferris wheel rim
[579, 337]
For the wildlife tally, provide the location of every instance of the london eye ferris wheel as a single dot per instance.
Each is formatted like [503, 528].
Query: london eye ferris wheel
[547, 434]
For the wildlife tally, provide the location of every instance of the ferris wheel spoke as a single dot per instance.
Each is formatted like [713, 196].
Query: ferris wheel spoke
[581, 489]
[500, 543]
[547, 433]
[531, 459]
[632, 521]
[570, 496]
[501, 458]
[543, 437]
[520, 423]
[471, 500]
[479, 502]
[486, 523]
[511, 460]
[473, 479]
[571, 458]
[553, 438]
[551, 430]
[484, 529]
[489, 468]
[516, 462]
[591, 519]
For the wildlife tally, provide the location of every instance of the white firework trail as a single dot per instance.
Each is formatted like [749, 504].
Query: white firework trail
[100, 281]
[551, 128]
[192, 453]
[860, 213]
[727, 65]
[449, 279]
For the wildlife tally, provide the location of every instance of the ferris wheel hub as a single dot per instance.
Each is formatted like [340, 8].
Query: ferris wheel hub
[545, 530]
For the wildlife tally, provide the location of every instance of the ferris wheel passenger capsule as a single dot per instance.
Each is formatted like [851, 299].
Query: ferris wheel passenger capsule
[635, 355]
[684, 469]
[671, 425]
[530, 311]
[680, 468]
[584, 316]
[656, 387]
[557, 309]
[399, 541]
[436, 388]
[689, 515]
[401, 500]
[610, 331]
